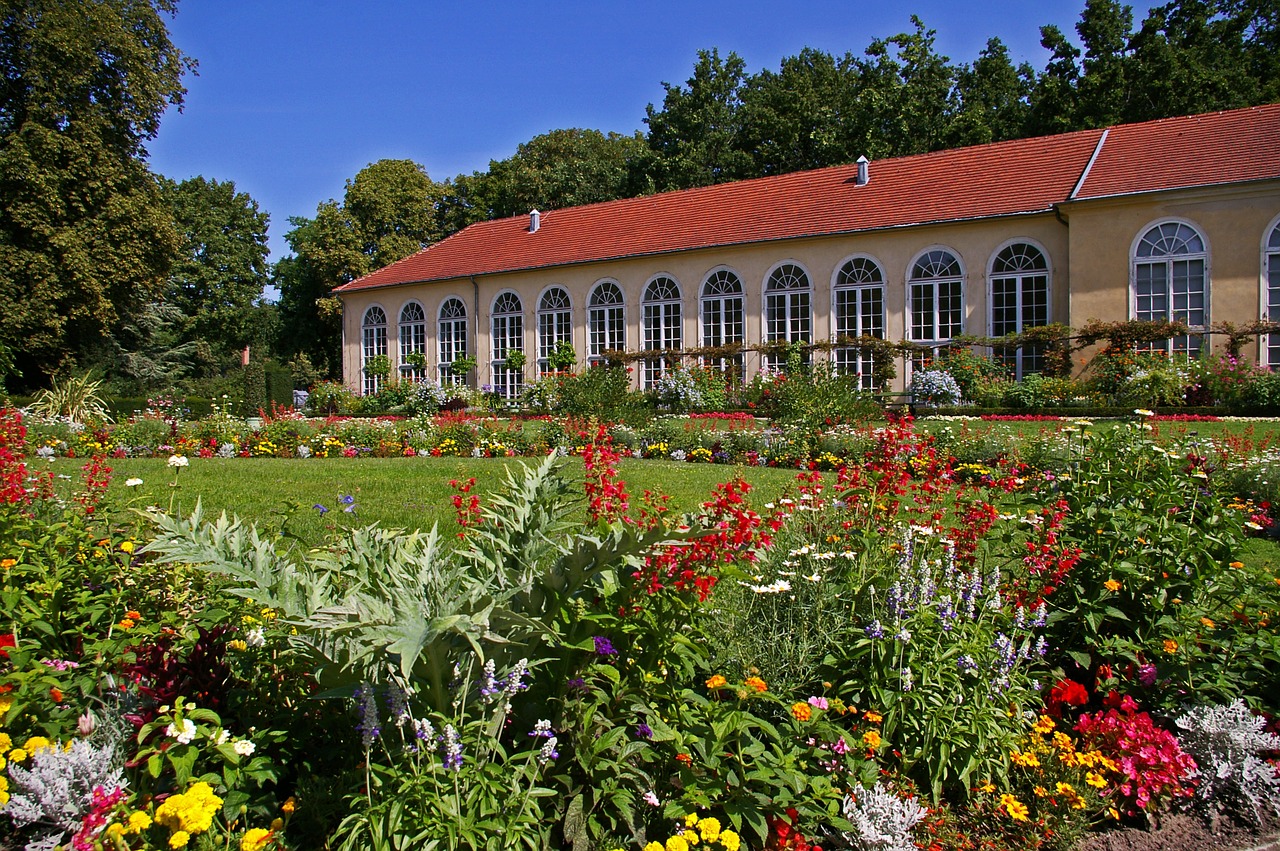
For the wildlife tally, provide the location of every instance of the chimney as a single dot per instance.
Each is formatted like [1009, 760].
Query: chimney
[864, 171]
[535, 221]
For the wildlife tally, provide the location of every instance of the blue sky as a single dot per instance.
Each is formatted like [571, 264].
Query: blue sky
[293, 97]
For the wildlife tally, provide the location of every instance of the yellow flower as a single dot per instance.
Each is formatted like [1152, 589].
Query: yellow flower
[709, 828]
[690, 837]
[179, 839]
[17, 755]
[1040, 791]
[871, 739]
[1207, 623]
[128, 547]
[801, 711]
[277, 824]
[730, 841]
[872, 717]
[1095, 780]
[691, 820]
[1065, 789]
[255, 839]
[1170, 646]
[1237, 564]
[1062, 741]
[115, 829]
[1044, 726]
[1026, 760]
[756, 683]
[654, 846]
[1015, 808]
[289, 806]
[237, 644]
[987, 786]
[5, 742]
[139, 822]
[35, 744]
[716, 681]
[677, 843]
[7, 563]
[1111, 585]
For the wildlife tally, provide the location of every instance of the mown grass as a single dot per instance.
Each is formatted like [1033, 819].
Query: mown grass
[405, 493]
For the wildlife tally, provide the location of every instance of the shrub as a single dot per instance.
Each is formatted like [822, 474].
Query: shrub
[1226, 743]
[934, 387]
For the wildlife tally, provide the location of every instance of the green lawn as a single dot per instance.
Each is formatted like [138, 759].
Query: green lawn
[405, 493]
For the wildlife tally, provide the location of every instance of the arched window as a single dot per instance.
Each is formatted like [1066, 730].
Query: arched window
[373, 337]
[1019, 300]
[606, 328]
[413, 340]
[787, 316]
[662, 327]
[453, 340]
[937, 300]
[858, 302]
[1271, 269]
[555, 325]
[722, 318]
[507, 336]
[1170, 282]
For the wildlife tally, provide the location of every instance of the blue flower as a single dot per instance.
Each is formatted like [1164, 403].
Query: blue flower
[350, 503]
[320, 508]
[604, 647]
[643, 731]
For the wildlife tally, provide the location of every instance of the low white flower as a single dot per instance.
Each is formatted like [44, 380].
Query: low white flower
[184, 731]
[178, 461]
[255, 637]
[222, 737]
[244, 747]
[132, 483]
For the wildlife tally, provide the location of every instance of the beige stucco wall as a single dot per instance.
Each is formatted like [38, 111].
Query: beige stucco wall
[975, 243]
[1233, 220]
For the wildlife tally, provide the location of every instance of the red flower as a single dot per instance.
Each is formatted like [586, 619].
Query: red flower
[1065, 693]
[7, 640]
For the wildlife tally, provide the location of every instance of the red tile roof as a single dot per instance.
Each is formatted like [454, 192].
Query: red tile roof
[1000, 179]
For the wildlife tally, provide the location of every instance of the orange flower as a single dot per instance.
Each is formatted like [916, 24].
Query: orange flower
[289, 806]
[716, 681]
[1111, 585]
[871, 739]
[684, 758]
[801, 711]
[56, 694]
[7, 563]
[872, 717]
[126, 624]
[1170, 646]
[132, 615]
[1237, 564]
[756, 683]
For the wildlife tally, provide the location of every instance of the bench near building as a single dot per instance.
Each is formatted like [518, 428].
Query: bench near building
[1170, 219]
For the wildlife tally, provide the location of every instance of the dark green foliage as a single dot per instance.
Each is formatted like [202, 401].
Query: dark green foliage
[255, 388]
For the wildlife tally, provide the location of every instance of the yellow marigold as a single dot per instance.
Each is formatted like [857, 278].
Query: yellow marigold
[289, 806]
[5, 742]
[716, 681]
[1095, 780]
[192, 811]
[1111, 585]
[871, 739]
[179, 839]
[987, 786]
[709, 828]
[1044, 726]
[1015, 808]
[115, 829]
[690, 837]
[17, 755]
[872, 717]
[729, 841]
[677, 843]
[1026, 760]
[691, 820]
[1108, 763]
[1062, 741]
[255, 839]
[756, 683]
[654, 846]
[35, 744]
[1170, 646]
[139, 822]
[126, 623]
[801, 711]
[237, 644]
[1065, 789]
[128, 546]
[1040, 791]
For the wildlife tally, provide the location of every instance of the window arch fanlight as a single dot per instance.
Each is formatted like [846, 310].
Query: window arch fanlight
[857, 296]
[452, 339]
[1019, 299]
[1171, 282]
[663, 327]
[722, 310]
[936, 292]
[413, 340]
[606, 322]
[787, 314]
[555, 325]
[1271, 275]
[373, 344]
[506, 336]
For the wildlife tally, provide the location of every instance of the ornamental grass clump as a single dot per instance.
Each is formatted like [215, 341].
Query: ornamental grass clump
[1225, 742]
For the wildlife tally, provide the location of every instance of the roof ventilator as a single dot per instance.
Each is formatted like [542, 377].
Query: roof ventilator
[535, 221]
[864, 171]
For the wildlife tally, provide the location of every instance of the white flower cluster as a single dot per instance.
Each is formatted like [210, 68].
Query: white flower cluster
[934, 387]
[882, 819]
[429, 395]
[677, 390]
[1225, 742]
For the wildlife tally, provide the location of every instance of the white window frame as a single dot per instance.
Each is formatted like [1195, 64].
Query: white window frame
[791, 308]
[858, 278]
[1023, 360]
[716, 325]
[939, 332]
[555, 323]
[662, 321]
[413, 338]
[373, 343]
[451, 337]
[606, 320]
[506, 335]
[1187, 344]
[1269, 294]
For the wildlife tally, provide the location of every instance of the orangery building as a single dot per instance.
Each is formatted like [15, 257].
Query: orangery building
[1171, 219]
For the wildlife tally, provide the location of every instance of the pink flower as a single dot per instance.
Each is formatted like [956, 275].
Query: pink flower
[818, 703]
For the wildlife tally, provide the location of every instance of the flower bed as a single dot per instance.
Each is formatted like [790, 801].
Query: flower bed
[905, 649]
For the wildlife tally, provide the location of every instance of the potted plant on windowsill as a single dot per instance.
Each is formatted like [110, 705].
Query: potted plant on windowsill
[461, 367]
[415, 360]
[515, 361]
